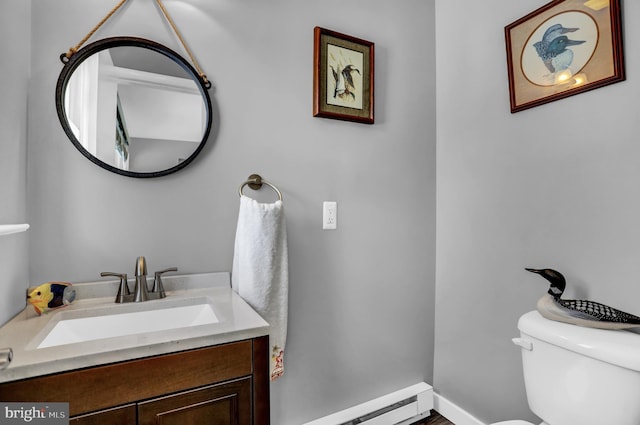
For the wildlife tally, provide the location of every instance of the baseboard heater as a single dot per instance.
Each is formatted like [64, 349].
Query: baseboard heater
[400, 407]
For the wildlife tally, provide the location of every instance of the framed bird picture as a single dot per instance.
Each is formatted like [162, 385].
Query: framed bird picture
[342, 77]
[564, 48]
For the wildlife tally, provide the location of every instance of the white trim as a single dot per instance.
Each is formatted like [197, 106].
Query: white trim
[453, 412]
[422, 405]
[7, 229]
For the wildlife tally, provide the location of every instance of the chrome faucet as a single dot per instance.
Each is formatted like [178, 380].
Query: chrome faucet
[123, 289]
[157, 281]
[141, 290]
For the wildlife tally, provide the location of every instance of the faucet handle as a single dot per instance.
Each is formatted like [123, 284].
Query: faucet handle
[124, 286]
[157, 281]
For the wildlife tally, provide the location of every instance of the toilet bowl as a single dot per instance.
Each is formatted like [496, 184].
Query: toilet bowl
[578, 375]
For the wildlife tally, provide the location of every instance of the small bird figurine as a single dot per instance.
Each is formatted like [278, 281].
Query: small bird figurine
[51, 295]
[579, 312]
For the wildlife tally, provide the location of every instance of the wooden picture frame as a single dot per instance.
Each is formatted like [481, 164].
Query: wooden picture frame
[564, 48]
[343, 69]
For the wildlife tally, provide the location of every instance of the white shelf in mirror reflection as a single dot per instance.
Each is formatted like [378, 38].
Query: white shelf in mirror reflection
[7, 229]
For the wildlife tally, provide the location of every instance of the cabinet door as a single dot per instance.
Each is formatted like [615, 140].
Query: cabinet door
[124, 415]
[223, 404]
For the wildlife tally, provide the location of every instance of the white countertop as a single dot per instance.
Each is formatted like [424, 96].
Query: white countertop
[237, 321]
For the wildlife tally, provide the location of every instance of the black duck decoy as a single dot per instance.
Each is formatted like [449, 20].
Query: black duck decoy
[579, 312]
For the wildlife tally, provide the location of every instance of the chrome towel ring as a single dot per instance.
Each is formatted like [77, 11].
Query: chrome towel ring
[255, 182]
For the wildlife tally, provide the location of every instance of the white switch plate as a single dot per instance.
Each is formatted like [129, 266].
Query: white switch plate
[329, 215]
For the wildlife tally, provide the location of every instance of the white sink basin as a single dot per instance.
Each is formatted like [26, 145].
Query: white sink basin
[114, 322]
[200, 310]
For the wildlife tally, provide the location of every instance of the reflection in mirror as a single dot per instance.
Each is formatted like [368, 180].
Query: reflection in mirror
[132, 109]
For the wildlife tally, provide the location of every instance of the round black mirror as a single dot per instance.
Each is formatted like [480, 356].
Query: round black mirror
[133, 106]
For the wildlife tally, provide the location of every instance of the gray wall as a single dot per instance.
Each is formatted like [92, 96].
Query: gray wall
[554, 186]
[361, 297]
[511, 193]
[14, 68]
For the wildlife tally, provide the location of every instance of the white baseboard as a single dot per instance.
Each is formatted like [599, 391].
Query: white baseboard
[453, 412]
[408, 405]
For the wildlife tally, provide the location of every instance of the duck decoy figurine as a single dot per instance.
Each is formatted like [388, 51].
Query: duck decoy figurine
[579, 312]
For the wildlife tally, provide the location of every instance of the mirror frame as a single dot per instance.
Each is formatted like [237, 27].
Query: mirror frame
[78, 58]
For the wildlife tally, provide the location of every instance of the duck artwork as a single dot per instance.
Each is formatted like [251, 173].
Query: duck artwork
[553, 50]
[344, 81]
[51, 295]
[579, 312]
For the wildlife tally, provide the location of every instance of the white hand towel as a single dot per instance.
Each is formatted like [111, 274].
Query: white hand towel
[260, 272]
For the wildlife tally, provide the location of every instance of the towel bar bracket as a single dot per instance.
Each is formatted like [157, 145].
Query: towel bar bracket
[255, 181]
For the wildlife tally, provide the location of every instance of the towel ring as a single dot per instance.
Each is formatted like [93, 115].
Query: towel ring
[255, 182]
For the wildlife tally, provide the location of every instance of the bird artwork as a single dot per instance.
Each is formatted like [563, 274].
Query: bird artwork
[553, 48]
[344, 86]
[579, 312]
[51, 295]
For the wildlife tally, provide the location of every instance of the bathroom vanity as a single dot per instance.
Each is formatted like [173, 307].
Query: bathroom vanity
[222, 384]
[196, 373]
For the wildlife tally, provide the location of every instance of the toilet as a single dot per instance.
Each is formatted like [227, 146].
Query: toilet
[579, 376]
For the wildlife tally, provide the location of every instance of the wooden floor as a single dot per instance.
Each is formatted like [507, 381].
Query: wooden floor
[434, 419]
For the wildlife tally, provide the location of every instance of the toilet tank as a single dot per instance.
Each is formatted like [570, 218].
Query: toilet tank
[580, 376]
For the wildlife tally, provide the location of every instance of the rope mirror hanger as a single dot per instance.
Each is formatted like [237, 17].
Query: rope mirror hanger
[65, 57]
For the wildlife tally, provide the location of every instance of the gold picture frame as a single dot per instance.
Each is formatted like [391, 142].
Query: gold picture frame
[564, 48]
[343, 70]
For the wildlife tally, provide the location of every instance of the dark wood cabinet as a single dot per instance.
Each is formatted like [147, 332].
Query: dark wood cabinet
[223, 404]
[116, 416]
[223, 384]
